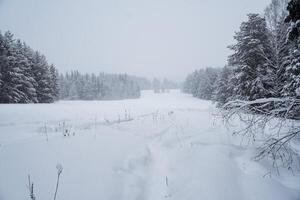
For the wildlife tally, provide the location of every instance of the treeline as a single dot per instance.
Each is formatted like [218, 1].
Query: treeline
[143, 83]
[164, 85]
[265, 62]
[202, 83]
[25, 75]
[77, 86]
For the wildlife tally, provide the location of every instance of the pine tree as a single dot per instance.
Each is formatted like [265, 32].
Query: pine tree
[292, 75]
[223, 92]
[24, 75]
[187, 85]
[12, 74]
[252, 59]
[156, 85]
[283, 59]
[207, 83]
[54, 82]
[2, 55]
[2, 60]
[73, 92]
[291, 64]
[42, 76]
[195, 83]
[294, 19]
[275, 14]
[28, 53]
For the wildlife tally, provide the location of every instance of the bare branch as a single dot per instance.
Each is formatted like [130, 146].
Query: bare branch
[277, 115]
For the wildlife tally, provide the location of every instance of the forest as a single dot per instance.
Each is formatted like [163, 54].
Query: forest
[27, 77]
[25, 74]
[260, 84]
[265, 62]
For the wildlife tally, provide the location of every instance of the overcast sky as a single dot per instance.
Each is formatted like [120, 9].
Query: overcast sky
[162, 38]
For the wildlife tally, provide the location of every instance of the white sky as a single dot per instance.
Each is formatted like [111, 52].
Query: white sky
[162, 38]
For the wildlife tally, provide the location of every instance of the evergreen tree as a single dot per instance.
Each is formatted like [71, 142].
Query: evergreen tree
[187, 85]
[12, 73]
[202, 83]
[254, 72]
[24, 75]
[54, 82]
[224, 90]
[283, 58]
[156, 85]
[207, 83]
[28, 82]
[2, 61]
[195, 83]
[292, 73]
[294, 19]
[275, 14]
[42, 76]
[3, 64]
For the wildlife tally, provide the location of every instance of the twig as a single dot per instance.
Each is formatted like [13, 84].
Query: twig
[59, 171]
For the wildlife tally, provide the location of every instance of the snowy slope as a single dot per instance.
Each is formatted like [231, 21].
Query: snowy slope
[162, 146]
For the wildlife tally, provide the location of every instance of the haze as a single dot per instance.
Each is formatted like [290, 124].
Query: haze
[151, 38]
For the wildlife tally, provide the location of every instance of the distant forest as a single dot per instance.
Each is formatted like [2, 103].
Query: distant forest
[77, 86]
[27, 77]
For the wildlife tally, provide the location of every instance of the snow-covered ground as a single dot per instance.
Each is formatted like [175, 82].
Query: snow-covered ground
[161, 146]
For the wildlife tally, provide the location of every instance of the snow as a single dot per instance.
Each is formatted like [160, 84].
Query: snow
[168, 146]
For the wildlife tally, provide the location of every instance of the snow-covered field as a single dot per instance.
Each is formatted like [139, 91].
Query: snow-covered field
[162, 146]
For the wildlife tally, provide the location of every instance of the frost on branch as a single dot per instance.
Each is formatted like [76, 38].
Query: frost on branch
[59, 168]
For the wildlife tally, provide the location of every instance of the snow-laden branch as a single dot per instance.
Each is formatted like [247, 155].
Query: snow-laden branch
[288, 108]
[282, 115]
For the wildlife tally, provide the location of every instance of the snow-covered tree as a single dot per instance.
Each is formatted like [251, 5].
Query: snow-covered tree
[202, 83]
[77, 86]
[294, 19]
[24, 74]
[188, 84]
[54, 82]
[191, 83]
[275, 13]
[29, 84]
[282, 57]
[292, 75]
[224, 89]
[292, 72]
[207, 83]
[156, 85]
[254, 73]
[42, 76]
[2, 56]
[196, 76]
[16, 84]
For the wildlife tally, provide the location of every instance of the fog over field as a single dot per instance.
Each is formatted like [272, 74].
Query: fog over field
[169, 38]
